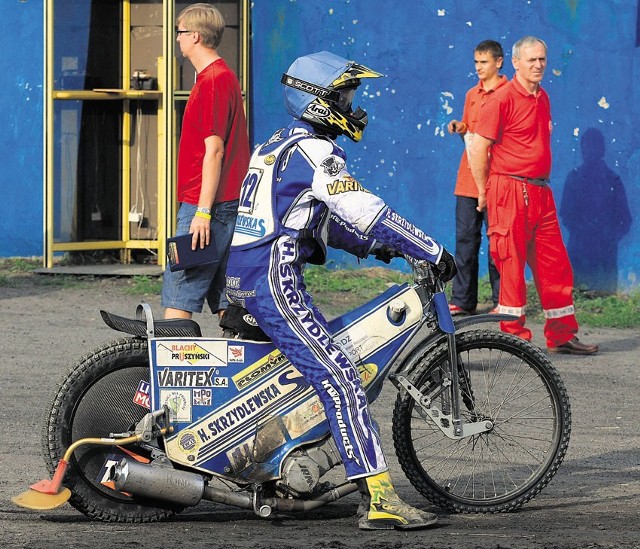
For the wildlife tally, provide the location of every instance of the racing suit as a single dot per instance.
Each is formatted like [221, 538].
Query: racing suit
[296, 199]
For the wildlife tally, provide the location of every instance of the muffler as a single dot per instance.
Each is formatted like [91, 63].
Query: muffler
[188, 489]
[157, 482]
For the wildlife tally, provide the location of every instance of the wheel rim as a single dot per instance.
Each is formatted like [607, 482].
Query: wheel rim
[509, 460]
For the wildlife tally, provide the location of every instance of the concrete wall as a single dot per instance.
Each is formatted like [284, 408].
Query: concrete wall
[425, 48]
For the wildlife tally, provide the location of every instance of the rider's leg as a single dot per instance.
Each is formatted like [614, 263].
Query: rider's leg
[283, 308]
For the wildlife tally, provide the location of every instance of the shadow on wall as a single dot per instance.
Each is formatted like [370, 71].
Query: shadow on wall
[595, 210]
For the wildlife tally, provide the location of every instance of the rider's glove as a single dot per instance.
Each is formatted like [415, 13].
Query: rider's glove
[446, 266]
[385, 253]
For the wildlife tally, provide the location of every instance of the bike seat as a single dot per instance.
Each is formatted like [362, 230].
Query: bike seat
[173, 327]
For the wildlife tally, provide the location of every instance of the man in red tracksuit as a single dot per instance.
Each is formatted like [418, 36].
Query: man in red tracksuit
[510, 158]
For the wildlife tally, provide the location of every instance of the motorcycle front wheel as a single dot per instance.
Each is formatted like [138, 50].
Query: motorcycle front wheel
[504, 380]
[103, 393]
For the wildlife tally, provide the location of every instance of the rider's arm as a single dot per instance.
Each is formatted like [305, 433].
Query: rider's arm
[368, 213]
[346, 237]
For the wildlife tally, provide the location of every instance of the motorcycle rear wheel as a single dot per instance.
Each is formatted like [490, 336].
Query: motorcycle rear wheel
[95, 399]
[507, 381]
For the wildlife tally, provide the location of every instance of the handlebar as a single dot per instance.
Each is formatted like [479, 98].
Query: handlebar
[426, 274]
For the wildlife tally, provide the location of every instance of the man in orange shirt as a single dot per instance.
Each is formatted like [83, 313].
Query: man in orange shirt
[513, 182]
[488, 58]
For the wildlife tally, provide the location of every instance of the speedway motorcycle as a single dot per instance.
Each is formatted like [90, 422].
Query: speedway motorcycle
[156, 422]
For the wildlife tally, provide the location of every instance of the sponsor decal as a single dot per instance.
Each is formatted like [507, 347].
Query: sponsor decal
[367, 373]
[319, 111]
[240, 411]
[353, 232]
[237, 420]
[251, 226]
[141, 398]
[342, 426]
[270, 159]
[178, 402]
[239, 296]
[332, 165]
[308, 87]
[191, 353]
[187, 441]
[399, 224]
[235, 353]
[111, 461]
[173, 377]
[259, 369]
[201, 397]
[250, 320]
[345, 184]
[304, 418]
[233, 282]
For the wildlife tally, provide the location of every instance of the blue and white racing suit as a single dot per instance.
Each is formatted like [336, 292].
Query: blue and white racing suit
[296, 199]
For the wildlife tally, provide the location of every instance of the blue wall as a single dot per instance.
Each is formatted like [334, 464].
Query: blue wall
[425, 48]
[21, 134]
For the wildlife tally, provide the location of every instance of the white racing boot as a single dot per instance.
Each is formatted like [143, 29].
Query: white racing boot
[382, 509]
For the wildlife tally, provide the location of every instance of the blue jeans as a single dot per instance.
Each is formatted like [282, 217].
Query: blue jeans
[187, 290]
[469, 222]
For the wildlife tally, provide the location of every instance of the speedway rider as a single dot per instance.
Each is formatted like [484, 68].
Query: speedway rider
[296, 199]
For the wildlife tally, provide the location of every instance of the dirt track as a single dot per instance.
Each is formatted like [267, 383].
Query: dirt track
[591, 503]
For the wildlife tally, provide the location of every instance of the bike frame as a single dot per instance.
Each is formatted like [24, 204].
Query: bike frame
[238, 408]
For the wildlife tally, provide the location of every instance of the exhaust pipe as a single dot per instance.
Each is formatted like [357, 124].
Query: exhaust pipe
[152, 481]
[188, 489]
[172, 485]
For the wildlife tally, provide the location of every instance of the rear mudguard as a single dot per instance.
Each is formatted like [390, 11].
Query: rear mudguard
[438, 336]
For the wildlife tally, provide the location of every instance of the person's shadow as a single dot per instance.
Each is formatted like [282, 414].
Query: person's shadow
[595, 210]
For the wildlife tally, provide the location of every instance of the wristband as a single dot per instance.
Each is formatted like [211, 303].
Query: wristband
[202, 214]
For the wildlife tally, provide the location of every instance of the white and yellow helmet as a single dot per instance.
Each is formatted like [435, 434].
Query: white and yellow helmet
[319, 89]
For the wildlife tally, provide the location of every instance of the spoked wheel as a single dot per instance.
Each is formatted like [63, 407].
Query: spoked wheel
[507, 381]
[98, 397]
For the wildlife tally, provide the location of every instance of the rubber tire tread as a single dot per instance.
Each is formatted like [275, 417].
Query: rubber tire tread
[417, 364]
[122, 353]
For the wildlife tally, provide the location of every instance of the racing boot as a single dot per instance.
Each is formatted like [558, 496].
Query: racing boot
[382, 509]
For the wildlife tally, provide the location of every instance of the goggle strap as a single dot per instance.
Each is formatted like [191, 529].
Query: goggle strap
[308, 87]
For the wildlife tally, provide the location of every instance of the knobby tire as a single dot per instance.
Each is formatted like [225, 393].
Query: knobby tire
[506, 380]
[95, 399]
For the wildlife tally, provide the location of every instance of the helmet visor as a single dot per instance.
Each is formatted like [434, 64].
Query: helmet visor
[345, 100]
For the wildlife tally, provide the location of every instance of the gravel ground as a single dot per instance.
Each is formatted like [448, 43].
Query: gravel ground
[591, 503]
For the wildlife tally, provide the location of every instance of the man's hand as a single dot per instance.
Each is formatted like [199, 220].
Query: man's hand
[447, 266]
[201, 230]
[457, 126]
[482, 202]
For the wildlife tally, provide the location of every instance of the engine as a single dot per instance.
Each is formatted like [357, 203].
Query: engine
[303, 469]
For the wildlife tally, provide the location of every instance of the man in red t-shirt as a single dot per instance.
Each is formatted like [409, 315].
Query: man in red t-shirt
[515, 127]
[213, 158]
[488, 58]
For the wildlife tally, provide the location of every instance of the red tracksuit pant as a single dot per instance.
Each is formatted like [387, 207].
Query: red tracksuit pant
[524, 230]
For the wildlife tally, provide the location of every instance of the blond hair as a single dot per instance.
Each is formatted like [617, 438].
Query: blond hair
[206, 20]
